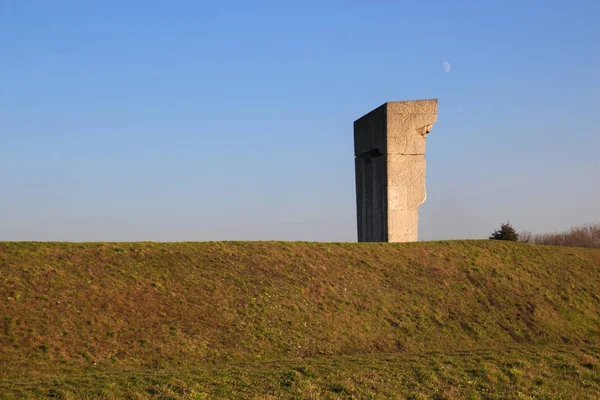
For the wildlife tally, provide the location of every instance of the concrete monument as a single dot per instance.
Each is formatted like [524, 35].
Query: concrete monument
[389, 150]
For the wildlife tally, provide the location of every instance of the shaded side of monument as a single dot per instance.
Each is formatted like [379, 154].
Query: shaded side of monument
[389, 151]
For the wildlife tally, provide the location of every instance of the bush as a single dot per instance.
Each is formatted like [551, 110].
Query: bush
[579, 236]
[526, 237]
[506, 232]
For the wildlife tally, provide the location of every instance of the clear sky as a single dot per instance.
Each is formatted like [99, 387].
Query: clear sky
[223, 120]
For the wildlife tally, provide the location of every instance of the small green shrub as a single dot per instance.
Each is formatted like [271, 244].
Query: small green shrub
[506, 232]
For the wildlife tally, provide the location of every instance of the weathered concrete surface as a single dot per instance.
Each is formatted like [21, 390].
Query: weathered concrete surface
[389, 150]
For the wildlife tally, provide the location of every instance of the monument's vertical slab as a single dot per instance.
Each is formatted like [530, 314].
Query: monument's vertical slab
[389, 150]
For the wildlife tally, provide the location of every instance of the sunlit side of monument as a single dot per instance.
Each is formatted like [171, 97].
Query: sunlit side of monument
[389, 150]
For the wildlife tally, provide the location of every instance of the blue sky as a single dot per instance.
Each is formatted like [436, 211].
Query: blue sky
[190, 120]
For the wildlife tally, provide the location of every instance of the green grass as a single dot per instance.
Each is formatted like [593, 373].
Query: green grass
[562, 372]
[453, 319]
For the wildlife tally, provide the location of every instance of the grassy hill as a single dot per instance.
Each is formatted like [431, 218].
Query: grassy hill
[308, 320]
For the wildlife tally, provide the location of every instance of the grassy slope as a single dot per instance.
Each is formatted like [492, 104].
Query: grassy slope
[90, 308]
